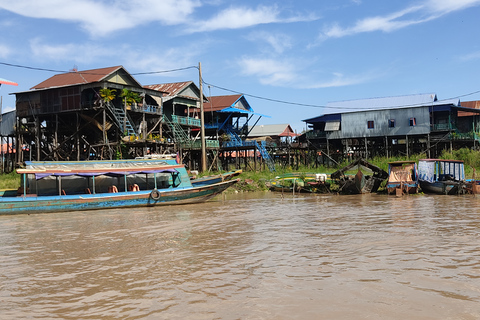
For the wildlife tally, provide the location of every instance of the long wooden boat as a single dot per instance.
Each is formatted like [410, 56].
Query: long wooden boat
[402, 178]
[440, 176]
[207, 180]
[89, 185]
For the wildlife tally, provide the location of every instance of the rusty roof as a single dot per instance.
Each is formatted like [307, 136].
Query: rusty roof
[220, 102]
[172, 89]
[76, 77]
[469, 104]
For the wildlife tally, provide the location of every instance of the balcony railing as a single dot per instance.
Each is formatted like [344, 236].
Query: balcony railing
[186, 121]
[198, 144]
[145, 108]
[442, 127]
[316, 134]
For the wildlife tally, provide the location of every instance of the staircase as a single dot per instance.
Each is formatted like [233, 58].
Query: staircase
[178, 133]
[236, 141]
[121, 118]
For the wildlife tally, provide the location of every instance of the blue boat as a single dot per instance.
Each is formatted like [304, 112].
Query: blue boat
[88, 185]
[440, 176]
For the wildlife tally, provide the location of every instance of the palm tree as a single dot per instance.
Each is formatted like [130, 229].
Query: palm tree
[107, 94]
[130, 97]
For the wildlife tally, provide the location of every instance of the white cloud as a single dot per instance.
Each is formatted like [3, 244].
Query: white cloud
[5, 51]
[423, 12]
[101, 17]
[237, 18]
[79, 53]
[470, 56]
[279, 42]
[269, 71]
[339, 80]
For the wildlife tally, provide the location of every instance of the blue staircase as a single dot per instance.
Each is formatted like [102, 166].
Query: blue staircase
[122, 118]
[236, 141]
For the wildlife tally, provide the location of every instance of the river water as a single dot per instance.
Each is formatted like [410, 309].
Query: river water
[248, 256]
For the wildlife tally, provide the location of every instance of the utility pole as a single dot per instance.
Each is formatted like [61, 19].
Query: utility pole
[202, 120]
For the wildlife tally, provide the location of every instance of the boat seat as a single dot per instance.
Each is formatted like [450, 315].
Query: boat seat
[87, 191]
[134, 187]
[112, 189]
[64, 193]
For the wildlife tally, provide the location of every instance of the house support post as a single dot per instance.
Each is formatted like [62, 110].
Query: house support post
[366, 148]
[406, 144]
[386, 147]
[37, 136]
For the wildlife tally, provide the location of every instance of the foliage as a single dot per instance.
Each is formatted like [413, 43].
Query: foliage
[130, 97]
[10, 180]
[107, 94]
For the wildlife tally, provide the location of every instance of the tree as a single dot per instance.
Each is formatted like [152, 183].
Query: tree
[130, 97]
[107, 94]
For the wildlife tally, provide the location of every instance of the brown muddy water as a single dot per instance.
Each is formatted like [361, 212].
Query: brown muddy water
[248, 256]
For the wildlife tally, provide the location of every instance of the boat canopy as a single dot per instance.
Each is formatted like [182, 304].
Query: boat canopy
[93, 169]
[41, 175]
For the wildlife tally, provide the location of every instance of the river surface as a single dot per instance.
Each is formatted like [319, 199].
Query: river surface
[248, 256]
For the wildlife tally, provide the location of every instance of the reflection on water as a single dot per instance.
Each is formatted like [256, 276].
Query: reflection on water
[248, 256]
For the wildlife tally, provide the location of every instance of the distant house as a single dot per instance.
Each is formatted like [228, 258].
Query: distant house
[276, 133]
[394, 125]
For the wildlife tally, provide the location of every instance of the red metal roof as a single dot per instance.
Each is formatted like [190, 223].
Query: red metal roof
[77, 77]
[220, 102]
[171, 89]
[469, 104]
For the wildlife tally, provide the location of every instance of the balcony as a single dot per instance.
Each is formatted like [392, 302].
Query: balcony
[145, 108]
[316, 134]
[442, 127]
[197, 144]
[186, 121]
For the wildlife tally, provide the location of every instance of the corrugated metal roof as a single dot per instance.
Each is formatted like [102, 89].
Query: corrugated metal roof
[77, 77]
[172, 89]
[271, 130]
[218, 103]
[7, 124]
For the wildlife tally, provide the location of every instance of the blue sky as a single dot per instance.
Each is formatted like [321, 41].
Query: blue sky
[306, 52]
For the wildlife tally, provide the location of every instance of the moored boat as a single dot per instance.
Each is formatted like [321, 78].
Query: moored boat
[207, 180]
[360, 182]
[402, 178]
[441, 176]
[88, 185]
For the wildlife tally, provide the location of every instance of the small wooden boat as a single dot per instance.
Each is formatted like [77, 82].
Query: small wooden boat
[440, 176]
[88, 185]
[207, 180]
[402, 178]
[300, 182]
[360, 182]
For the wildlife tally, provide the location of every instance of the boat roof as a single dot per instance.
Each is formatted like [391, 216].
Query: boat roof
[97, 168]
[440, 160]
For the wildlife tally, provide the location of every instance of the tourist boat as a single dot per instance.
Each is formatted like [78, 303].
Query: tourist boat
[87, 185]
[206, 180]
[402, 178]
[440, 176]
[360, 182]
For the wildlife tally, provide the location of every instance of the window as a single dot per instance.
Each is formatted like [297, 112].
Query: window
[370, 124]
[391, 123]
[412, 122]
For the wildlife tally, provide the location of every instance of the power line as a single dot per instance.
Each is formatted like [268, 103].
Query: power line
[222, 88]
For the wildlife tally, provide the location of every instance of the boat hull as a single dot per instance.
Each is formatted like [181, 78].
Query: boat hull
[44, 204]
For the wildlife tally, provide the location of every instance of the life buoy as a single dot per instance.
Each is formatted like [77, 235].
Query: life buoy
[155, 194]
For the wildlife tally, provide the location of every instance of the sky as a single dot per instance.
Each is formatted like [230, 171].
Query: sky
[290, 58]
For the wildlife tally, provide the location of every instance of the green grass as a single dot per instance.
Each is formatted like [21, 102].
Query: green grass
[10, 181]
